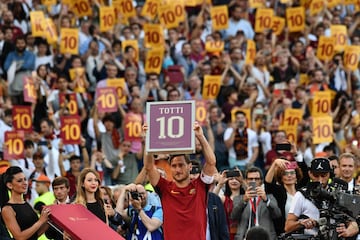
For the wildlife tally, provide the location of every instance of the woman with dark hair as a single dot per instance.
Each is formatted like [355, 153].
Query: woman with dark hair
[232, 179]
[281, 181]
[19, 217]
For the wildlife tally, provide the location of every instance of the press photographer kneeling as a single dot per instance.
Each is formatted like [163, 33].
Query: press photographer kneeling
[304, 213]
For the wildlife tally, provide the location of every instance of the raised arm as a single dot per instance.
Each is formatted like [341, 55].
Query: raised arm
[210, 159]
[149, 164]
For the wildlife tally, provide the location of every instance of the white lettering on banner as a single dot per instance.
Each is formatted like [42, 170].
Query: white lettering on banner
[171, 110]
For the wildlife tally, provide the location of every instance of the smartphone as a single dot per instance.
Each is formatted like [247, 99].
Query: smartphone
[355, 142]
[232, 173]
[280, 86]
[283, 147]
[252, 185]
[258, 111]
[42, 143]
[291, 165]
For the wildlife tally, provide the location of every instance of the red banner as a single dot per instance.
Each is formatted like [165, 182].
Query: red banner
[69, 101]
[133, 123]
[29, 90]
[14, 145]
[70, 131]
[21, 118]
[106, 99]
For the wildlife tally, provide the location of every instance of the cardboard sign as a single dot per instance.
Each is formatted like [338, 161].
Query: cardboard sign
[326, 48]
[316, 6]
[321, 104]
[339, 32]
[211, 87]
[351, 57]
[29, 90]
[133, 127]
[170, 127]
[69, 41]
[13, 145]
[154, 35]
[332, 3]
[322, 129]
[150, 9]
[69, 101]
[78, 76]
[107, 18]
[37, 19]
[127, 8]
[220, 17]
[167, 16]
[295, 18]
[106, 99]
[303, 79]
[179, 10]
[292, 117]
[250, 52]
[201, 112]
[212, 46]
[120, 87]
[256, 3]
[278, 24]
[50, 31]
[263, 19]
[291, 132]
[48, 2]
[21, 118]
[154, 59]
[70, 131]
[81, 8]
[134, 44]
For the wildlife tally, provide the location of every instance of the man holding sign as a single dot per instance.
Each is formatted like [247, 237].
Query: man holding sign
[183, 200]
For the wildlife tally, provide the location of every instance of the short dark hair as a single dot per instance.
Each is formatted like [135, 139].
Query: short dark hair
[186, 157]
[254, 169]
[74, 157]
[256, 233]
[28, 143]
[59, 181]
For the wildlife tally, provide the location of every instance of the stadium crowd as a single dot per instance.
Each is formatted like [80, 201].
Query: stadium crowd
[277, 92]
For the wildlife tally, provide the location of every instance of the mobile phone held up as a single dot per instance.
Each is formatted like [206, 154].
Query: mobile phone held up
[232, 173]
[283, 147]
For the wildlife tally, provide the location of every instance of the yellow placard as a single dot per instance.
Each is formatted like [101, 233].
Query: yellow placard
[351, 57]
[332, 3]
[284, 1]
[291, 132]
[322, 129]
[37, 19]
[154, 35]
[263, 19]
[326, 48]
[292, 117]
[193, 3]
[126, 8]
[256, 3]
[107, 18]
[316, 6]
[201, 111]
[278, 24]
[120, 87]
[179, 10]
[167, 16]
[81, 8]
[339, 32]
[321, 103]
[295, 18]
[150, 9]
[154, 59]
[48, 2]
[78, 76]
[303, 79]
[212, 46]
[250, 52]
[50, 31]
[349, 2]
[69, 41]
[134, 44]
[220, 17]
[247, 112]
[211, 87]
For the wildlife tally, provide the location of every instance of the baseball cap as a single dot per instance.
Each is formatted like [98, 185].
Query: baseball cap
[320, 165]
[43, 178]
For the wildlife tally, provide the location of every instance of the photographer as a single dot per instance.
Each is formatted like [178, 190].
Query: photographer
[145, 220]
[302, 205]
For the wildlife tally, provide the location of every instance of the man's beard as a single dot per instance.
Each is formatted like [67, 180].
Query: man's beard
[20, 50]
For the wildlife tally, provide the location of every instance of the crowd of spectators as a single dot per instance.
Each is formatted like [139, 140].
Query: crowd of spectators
[247, 112]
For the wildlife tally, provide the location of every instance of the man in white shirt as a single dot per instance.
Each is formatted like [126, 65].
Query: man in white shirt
[347, 169]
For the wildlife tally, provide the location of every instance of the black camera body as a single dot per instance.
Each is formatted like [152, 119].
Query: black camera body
[134, 195]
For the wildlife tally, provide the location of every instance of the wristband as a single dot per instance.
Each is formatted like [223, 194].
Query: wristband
[121, 162]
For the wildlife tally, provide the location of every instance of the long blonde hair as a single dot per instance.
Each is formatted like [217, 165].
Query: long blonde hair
[80, 193]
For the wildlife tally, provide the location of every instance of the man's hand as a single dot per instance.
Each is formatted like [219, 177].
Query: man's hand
[308, 223]
[198, 130]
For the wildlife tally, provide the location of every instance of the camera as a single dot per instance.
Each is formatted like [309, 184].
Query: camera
[134, 195]
[195, 170]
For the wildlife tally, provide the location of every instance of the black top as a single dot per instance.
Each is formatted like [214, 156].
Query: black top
[25, 216]
[97, 209]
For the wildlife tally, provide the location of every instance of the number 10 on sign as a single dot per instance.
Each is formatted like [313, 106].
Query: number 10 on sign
[170, 127]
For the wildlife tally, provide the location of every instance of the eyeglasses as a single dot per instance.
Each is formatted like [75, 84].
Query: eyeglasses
[288, 173]
[253, 179]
